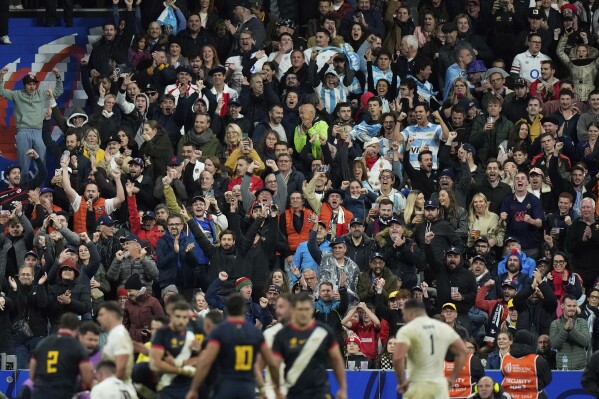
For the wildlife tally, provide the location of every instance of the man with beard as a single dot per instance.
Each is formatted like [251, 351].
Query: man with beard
[17, 191]
[378, 219]
[233, 114]
[171, 353]
[89, 337]
[107, 243]
[522, 216]
[376, 165]
[184, 86]
[478, 267]
[497, 309]
[273, 122]
[175, 260]
[80, 164]
[91, 199]
[203, 137]
[512, 267]
[455, 283]
[401, 253]
[492, 187]
[141, 185]
[272, 294]
[305, 373]
[359, 245]
[570, 336]
[331, 265]
[536, 304]
[331, 211]
[444, 235]
[575, 185]
[378, 280]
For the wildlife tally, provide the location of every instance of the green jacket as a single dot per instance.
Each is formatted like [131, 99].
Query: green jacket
[486, 143]
[572, 343]
[207, 142]
[365, 284]
[29, 110]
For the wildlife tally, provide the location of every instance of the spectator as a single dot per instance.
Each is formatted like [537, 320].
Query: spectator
[140, 309]
[570, 336]
[544, 349]
[132, 259]
[536, 304]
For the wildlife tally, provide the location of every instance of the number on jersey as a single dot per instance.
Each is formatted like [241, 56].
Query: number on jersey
[244, 357]
[52, 362]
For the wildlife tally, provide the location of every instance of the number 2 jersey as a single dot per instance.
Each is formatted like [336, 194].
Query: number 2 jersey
[429, 340]
[240, 343]
[57, 365]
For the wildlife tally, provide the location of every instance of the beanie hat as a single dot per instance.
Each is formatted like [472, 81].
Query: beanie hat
[355, 339]
[242, 282]
[69, 263]
[122, 292]
[133, 282]
[515, 252]
[169, 288]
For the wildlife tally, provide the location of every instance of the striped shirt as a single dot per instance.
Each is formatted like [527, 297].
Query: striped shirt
[430, 135]
[331, 97]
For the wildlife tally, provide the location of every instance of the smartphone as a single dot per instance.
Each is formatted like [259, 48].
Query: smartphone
[323, 169]
[57, 172]
[245, 137]
[274, 208]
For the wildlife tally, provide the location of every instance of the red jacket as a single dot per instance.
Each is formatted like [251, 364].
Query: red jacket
[138, 316]
[489, 304]
[151, 235]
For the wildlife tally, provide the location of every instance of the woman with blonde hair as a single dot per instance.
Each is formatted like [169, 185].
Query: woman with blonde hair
[236, 147]
[459, 90]
[210, 59]
[91, 144]
[413, 213]
[483, 223]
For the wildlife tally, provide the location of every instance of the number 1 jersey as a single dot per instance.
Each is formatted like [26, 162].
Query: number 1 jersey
[429, 340]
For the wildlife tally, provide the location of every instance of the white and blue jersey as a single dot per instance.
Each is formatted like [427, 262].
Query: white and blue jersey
[430, 135]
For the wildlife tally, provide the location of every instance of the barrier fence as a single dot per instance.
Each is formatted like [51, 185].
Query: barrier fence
[367, 384]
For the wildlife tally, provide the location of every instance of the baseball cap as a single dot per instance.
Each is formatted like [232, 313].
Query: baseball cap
[534, 13]
[185, 68]
[234, 101]
[130, 237]
[393, 294]
[175, 161]
[509, 283]
[137, 161]
[479, 258]
[431, 203]
[357, 220]
[336, 241]
[149, 88]
[537, 171]
[449, 27]
[446, 172]
[376, 255]
[482, 239]
[469, 148]
[520, 83]
[274, 288]
[449, 305]
[511, 239]
[476, 66]
[31, 253]
[106, 220]
[393, 219]
[550, 119]
[453, 250]
[149, 215]
[45, 190]
[30, 78]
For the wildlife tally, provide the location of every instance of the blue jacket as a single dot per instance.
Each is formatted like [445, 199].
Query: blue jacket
[303, 260]
[253, 310]
[175, 268]
[197, 251]
[528, 265]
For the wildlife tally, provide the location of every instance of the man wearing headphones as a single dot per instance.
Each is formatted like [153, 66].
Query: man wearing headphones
[488, 389]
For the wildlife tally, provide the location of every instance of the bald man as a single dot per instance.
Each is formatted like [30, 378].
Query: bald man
[486, 390]
[310, 125]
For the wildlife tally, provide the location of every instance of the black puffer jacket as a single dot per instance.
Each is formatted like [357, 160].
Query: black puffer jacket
[446, 278]
[31, 302]
[535, 317]
[403, 260]
[81, 302]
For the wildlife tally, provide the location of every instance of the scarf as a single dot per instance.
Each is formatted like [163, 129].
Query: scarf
[494, 324]
[559, 290]
[370, 162]
[107, 114]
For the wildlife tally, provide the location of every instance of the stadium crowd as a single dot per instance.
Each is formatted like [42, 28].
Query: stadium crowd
[365, 152]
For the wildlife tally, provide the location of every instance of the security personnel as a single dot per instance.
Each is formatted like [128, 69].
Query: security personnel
[525, 374]
[472, 371]
[486, 388]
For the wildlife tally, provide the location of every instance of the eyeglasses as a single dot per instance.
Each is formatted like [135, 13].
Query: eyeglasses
[535, 42]
[386, 177]
[559, 262]
[594, 297]
[151, 93]
[271, 182]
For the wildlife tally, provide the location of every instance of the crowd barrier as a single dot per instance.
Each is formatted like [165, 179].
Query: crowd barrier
[367, 384]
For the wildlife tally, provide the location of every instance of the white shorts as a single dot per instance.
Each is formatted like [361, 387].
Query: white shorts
[427, 390]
